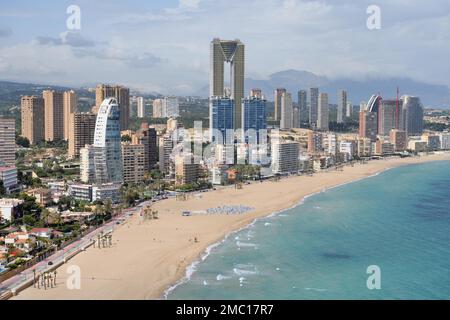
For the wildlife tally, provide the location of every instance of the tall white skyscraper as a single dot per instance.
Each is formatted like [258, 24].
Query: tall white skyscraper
[349, 109]
[323, 112]
[341, 105]
[232, 52]
[108, 156]
[140, 107]
[286, 121]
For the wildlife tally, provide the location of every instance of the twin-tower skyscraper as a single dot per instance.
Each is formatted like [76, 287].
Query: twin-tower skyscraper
[231, 52]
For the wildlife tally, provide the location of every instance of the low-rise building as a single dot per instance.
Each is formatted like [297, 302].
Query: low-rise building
[42, 232]
[433, 141]
[82, 192]
[445, 140]
[9, 209]
[9, 177]
[104, 192]
[417, 145]
[43, 196]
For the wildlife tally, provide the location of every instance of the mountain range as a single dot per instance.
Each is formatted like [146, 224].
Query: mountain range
[437, 96]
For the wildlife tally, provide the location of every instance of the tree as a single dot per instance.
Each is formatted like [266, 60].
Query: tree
[2, 188]
[125, 138]
[23, 142]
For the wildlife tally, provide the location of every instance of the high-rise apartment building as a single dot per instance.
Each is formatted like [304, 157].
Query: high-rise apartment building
[148, 138]
[285, 157]
[81, 132]
[255, 92]
[349, 110]
[166, 108]
[140, 107]
[341, 105]
[303, 107]
[232, 52]
[121, 94]
[388, 116]
[33, 115]
[313, 107]
[7, 142]
[323, 112]
[221, 120]
[412, 111]
[87, 164]
[315, 142]
[54, 115]
[70, 102]
[368, 125]
[107, 143]
[399, 139]
[277, 98]
[186, 170]
[133, 159]
[286, 120]
[254, 118]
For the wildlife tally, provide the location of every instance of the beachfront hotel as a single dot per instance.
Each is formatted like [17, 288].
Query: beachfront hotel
[107, 143]
[285, 157]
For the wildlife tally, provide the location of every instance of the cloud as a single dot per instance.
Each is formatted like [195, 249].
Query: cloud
[5, 32]
[68, 38]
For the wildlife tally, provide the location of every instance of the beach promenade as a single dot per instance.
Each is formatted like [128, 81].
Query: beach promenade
[148, 257]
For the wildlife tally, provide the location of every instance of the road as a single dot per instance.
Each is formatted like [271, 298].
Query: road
[59, 256]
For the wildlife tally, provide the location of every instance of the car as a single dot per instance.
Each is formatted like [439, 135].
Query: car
[186, 214]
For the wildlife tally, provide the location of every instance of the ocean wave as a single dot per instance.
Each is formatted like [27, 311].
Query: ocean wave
[243, 272]
[315, 289]
[220, 277]
[245, 244]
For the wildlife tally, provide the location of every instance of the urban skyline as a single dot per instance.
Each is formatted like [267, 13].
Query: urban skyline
[110, 193]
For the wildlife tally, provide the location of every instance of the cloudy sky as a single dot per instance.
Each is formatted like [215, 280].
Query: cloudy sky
[163, 46]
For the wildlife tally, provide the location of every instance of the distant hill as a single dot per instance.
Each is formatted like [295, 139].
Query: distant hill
[357, 90]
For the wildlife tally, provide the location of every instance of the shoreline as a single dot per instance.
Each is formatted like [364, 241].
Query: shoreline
[191, 269]
[172, 261]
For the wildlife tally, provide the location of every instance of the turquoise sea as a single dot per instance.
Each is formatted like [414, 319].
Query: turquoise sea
[398, 220]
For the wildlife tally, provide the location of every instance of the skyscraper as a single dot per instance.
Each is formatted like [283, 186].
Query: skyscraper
[341, 105]
[412, 111]
[70, 102]
[255, 92]
[147, 137]
[54, 115]
[285, 157]
[81, 132]
[313, 107]
[323, 112]
[254, 118]
[277, 96]
[7, 142]
[303, 107]
[368, 125]
[140, 107]
[107, 158]
[286, 121]
[221, 120]
[233, 52]
[133, 158]
[387, 116]
[122, 95]
[32, 111]
[349, 110]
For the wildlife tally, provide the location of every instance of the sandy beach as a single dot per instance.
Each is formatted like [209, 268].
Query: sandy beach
[147, 257]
